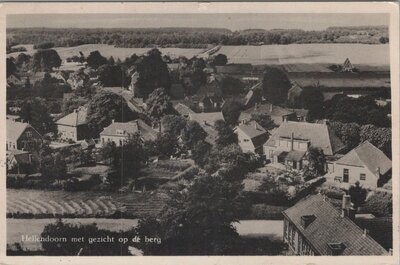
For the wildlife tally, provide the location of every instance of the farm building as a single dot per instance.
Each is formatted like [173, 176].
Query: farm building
[183, 110]
[365, 164]
[315, 227]
[18, 161]
[278, 114]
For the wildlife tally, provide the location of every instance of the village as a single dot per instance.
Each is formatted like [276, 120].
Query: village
[306, 144]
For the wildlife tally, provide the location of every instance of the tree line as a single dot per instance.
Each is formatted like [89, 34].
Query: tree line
[191, 37]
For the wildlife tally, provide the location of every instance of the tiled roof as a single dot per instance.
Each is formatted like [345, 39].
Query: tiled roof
[15, 129]
[295, 155]
[129, 128]
[252, 129]
[329, 227]
[318, 134]
[76, 118]
[367, 155]
[275, 112]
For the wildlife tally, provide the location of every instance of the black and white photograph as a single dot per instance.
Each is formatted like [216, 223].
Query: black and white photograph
[199, 134]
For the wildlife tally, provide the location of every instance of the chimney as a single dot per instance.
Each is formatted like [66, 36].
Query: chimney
[270, 107]
[346, 205]
[378, 171]
[112, 121]
[255, 125]
[365, 232]
[255, 106]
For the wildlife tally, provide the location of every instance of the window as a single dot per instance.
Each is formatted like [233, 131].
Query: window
[345, 175]
[29, 134]
[363, 176]
[245, 140]
[120, 132]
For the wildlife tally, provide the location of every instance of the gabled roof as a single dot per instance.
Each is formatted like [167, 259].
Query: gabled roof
[329, 227]
[15, 129]
[367, 155]
[252, 129]
[182, 109]
[22, 157]
[319, 135]
[76, 118]
[129, 128]
[268, 109]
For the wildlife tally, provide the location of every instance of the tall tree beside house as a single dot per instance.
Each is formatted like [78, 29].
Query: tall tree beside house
[381, 137]
[349, 133]
[153, 73]
[105, 107]
[275, 85]
[111, 75]
[173, 124]
[313, 100]
[49, 87]
[45, 60]
[192, 134]
[316, 161]
[95, 60]
[219, 60]
[35, 111]
[231, 111]
[226, 136]
[358, 194]
[158, 104]
[200, 153]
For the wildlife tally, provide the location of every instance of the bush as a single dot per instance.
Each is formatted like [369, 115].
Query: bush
[265, 212]
[379, 204]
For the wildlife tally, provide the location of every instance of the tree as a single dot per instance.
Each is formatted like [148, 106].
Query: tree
[226, 136]
[158, 104]
[105, 107]
[166, 144]
[45, 60]
[264, 120]
[95, 60]
[197, 220]
[232, 86]
[111, 75]
[35, 112]
[275, 85]
[49, 87]
[349, 133]
[173, 124]
[231, 111]
[200, 153]
[83, 247]
[313, 100]
[378, 136]
[316, 160]
[192, 134]
[10, 67]
[219, 60]
[358, 194]
[153, 73]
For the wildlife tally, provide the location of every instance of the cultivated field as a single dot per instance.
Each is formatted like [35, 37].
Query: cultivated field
[45, 204]
[266, 54]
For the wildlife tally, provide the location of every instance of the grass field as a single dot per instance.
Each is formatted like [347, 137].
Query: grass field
[85, 204]
[266, 54]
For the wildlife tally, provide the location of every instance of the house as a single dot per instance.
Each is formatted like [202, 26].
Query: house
[347, 66]
[251, 137]
[207, 121]
[231, 69]
[74, 126]
[13, 79]
[290, 142]
[278, 114]
[315, 227]
[253, 96]
[294, 93]
[120, 132]
[18, 161]
[183, 110]
[19, 134]
[301, 114]
[365, 164]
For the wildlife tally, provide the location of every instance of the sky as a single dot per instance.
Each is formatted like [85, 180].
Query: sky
[228, 21]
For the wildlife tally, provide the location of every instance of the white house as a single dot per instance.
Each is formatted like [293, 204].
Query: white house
[251, 136]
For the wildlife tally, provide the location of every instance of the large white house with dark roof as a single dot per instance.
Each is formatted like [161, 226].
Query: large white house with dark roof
[290, 142]
[119, 132]
[74, 125]
[365, 164]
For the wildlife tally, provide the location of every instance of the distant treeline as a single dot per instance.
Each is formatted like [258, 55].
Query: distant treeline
[192, 37]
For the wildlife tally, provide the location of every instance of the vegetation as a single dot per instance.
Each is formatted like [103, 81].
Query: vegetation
[231, 111]
[158, 104]
[35, 112]
[275, 85]
[45, 60]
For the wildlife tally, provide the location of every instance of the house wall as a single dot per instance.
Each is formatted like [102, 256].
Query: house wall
[28, 135]
[75, 133]
[297, 244]
[117, 139]
[245, 142]
[354, 175]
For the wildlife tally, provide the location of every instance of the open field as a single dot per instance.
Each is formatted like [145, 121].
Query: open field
[265, 54]
[86, 204]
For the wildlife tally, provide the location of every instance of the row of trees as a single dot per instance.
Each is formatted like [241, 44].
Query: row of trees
[193, 37]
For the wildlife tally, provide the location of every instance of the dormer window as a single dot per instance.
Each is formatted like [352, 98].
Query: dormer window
[336, 249]
[306, 220]
[120, 132]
